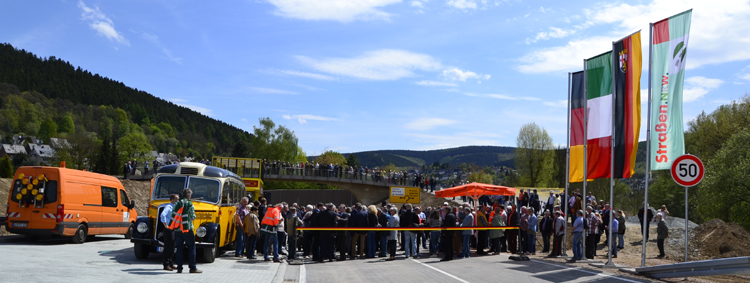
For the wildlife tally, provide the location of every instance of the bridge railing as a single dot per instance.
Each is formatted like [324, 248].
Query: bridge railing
[385, 178]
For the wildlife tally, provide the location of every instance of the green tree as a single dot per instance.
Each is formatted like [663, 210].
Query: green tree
[240, 150]
[47, 130]
[166, 129]
[390, 167]
[273, 143]
[67, 125]
[301, 155]
[331, 157]
[726, 175]
[134, 146]
[102, 165]
[351, 160]
[6, 167]
[534, 156]
[480, 177]
[77, 153]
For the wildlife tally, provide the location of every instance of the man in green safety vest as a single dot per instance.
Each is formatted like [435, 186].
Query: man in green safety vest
[183, 214]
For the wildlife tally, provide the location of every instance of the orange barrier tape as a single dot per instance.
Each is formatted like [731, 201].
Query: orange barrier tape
[407, 228]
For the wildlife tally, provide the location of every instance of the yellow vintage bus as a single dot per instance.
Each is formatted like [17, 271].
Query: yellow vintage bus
[249, 169]
[216, 193]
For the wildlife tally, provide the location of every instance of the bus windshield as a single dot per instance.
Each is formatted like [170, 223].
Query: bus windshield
[207, 190]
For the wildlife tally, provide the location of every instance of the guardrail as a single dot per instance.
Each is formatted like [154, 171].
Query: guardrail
[735, 265]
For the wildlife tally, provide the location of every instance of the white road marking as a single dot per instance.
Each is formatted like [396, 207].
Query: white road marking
[586, 271]
[443, 272]
[302, 274]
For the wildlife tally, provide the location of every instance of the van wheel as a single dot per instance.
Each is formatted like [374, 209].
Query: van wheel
[80, 236]
[129, 234]
[141, 251]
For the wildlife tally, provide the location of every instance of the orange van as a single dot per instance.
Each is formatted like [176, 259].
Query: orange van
[67, 202]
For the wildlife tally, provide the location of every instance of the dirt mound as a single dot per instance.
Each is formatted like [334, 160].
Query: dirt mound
[718, 239]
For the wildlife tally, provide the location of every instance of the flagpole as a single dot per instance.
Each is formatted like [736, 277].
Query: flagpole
[612, 159]
[648, 145]
[567, 166]
[585, 143]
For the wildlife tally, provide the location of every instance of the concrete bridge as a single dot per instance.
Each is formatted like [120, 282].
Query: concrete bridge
[368, 188]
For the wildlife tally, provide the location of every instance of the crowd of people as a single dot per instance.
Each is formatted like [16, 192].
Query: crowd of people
[273, 230]
[343, 244]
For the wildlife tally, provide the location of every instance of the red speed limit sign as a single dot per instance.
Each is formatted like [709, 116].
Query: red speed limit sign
[687, 170]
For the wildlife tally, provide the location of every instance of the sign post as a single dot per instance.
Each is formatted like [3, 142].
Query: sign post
[404, 195]
[687, 170]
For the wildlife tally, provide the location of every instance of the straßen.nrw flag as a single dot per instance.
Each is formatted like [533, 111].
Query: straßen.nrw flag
[667, 75]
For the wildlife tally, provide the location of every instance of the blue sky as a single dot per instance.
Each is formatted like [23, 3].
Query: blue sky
[361, 75]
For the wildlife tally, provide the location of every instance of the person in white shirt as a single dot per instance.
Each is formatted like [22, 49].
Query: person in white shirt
[168, 234]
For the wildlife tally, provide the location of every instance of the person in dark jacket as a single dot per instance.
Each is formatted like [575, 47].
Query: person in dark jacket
[513, 220]
[383, 222]
[648, 217]
[315, 222]
[343, 221]
[409, 220]
[447, 236]
[327, 218]
[662, 233]
[546, 225]
[358, 220]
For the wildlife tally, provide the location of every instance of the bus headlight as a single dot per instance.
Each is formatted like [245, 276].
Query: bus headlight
[142, 227]
[201, 232]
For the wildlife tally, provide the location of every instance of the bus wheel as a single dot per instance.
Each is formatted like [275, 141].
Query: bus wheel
[209, 254]
[141, 251]
[129, 234]
[80, 235]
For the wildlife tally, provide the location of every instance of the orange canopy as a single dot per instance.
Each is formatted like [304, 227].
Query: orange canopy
[475, 190]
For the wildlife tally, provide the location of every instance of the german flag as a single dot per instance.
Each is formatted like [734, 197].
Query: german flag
[577, 140]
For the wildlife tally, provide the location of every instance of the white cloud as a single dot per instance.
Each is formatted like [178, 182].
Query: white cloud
[183, 103]
[558, 103]
[156, 42]
[463, 4]
[696, 87]
[434, 83]
[102, 24]
[428, 123]
[501, 96]
[307, 75]
[554, 32]
[456, 74]
[243, 120]
[302, 119]
[715, 35]
[271, 90]
[564, 58]
[336, 10]
[384, 64]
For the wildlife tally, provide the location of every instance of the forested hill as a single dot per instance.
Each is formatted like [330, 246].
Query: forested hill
[479, 155]
[58, 79]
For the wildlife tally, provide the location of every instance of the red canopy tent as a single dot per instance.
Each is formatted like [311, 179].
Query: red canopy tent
[475, 190]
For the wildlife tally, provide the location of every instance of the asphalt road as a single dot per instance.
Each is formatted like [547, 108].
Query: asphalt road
[111, 259]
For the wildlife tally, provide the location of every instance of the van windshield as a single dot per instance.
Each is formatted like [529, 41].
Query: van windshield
[207, 190]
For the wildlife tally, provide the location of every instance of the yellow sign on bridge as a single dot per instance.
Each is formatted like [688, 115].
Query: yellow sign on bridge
[405, 195]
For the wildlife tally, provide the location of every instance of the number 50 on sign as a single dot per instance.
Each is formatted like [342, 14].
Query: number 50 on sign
[687, 170]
